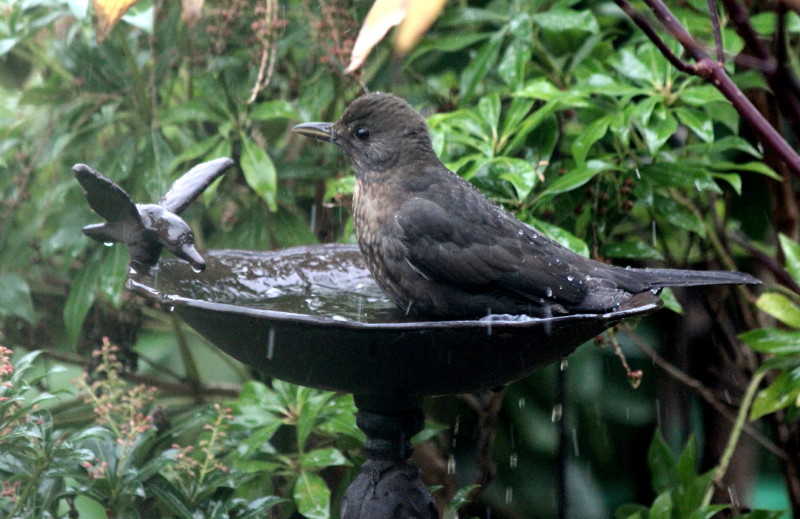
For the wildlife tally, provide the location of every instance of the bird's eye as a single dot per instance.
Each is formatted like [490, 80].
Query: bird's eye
[361, 133]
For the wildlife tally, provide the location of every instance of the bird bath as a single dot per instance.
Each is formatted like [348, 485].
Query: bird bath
[314, 316]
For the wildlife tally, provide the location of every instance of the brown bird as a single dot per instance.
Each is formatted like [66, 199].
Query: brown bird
[438, 247]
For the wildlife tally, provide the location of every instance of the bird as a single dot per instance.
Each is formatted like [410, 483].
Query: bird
[439, 248]
[147, 228]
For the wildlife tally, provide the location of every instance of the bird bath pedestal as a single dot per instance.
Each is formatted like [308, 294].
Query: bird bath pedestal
[314, 316]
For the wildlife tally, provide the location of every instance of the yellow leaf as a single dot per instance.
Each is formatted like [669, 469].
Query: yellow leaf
[191, 11]
[421, 15]
[382, 16]
[108, 14]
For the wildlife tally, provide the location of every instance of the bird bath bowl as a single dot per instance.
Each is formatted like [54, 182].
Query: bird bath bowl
[314, 316]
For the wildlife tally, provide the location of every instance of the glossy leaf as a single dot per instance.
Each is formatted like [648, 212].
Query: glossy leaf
[780, 307]
[15, 297]
[312, 496]
[259, 172]
[591, 134]
[791, 252]
[773, 340]
[781, 393]
[480, 65]
[577, 177]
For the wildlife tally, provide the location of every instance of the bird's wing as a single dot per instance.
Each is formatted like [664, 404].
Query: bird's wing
[195, 181]
[468, 240]
[105, 197]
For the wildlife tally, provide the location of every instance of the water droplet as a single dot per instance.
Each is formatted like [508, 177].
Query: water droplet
[273, 292]
[108, 243]
[451, 465]
[555, 417]
[271, 343]
[513, 460]
[509, 495]
[521, 402]
[570, 278]
[564, 364]
[132, 271]
[168, 308]
[549, 292]
[197, 269]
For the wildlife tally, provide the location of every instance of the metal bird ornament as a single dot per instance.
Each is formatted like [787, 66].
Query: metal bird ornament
[439, 247]
[147, 228]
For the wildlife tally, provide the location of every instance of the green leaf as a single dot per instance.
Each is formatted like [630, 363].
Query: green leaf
[453, 43]
[591, 134]
[696, 121]
[312, 496]
[659, 129]
[259, 172]
[755, 167]
[661, 464]
[79, 301]
[15, 297]
[480, 65]
[773, 340]
[782, 393]
[662, 507]
[780, 307]
[562, 236]
[321, 458]
[680, 215]
[275, 109]
[561, 20]
[734, 179]
[539, 89]
[791, 251]
[631, 249]
[577, 177]
[519, 172]
[511, 68]
[700, 95]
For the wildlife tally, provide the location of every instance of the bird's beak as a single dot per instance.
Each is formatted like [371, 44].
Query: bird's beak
[187, 252]
[319, 131]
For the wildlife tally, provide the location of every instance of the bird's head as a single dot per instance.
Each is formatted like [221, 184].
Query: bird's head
[377, 131]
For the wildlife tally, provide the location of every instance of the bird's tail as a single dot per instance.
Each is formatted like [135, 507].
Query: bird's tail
[659, 278]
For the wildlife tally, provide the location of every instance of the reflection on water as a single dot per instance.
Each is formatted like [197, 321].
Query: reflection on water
[334, 286]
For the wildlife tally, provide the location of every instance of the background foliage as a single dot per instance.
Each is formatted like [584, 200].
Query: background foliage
[560, 110]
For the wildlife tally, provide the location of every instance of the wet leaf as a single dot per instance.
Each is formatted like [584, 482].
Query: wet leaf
[484, 61]
[591, 134]
[631, 249]
[15, 297]
[321, 458]
[773, 340]
[259, 171]
[791, 250]
[312, 496]
[577, 177]
[108, 14]
[780, 307]
[781, 393]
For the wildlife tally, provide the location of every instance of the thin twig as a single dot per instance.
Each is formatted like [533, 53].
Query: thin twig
[714, 16]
